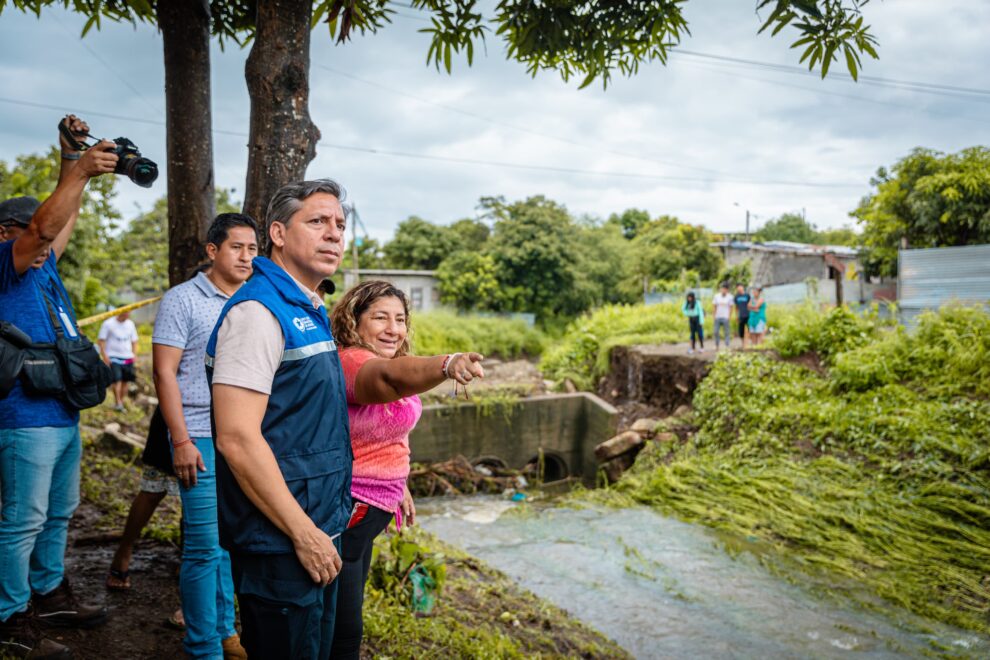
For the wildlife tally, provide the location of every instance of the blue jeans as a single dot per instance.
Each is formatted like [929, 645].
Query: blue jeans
[204, 580]
[39, 488]
[722, 324]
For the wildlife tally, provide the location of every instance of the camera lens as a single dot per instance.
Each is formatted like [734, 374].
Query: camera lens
[142, 172]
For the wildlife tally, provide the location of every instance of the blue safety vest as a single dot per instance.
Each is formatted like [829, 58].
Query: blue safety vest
[305, 423]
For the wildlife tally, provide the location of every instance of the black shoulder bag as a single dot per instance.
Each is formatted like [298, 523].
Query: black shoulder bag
[13, 341]
[85, 377]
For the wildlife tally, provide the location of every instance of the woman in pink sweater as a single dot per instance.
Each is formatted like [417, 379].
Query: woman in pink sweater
[371, 326]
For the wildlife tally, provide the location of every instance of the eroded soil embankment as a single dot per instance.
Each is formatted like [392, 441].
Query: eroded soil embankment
[652, 381]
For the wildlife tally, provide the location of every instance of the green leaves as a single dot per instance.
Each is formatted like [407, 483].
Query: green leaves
[827, 27]
[396, 558]
[929, 198]
[419, 244]
[344, 16]
[589, 39]
[585, 39]
[454, 26]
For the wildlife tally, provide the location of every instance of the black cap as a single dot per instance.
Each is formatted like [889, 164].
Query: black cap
[18, 211]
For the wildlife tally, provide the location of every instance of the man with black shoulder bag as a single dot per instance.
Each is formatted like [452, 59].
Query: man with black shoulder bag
[47, 375]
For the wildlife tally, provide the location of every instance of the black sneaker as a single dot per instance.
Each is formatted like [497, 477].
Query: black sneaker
[59, 608]
[20, 639]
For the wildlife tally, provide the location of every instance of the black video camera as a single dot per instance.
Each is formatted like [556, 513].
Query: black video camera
[130, 162]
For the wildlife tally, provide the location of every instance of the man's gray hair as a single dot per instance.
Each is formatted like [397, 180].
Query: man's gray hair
[289, 198]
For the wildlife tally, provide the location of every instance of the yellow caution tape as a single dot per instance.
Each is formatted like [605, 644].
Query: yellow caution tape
[96, 318]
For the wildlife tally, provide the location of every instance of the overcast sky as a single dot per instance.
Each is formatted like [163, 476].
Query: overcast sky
[691, 139]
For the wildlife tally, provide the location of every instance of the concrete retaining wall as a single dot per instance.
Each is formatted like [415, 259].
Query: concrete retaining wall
[567, 426]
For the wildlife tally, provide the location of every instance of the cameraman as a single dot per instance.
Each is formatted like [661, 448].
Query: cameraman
[39, 436]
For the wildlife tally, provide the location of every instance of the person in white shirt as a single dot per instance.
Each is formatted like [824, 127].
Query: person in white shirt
[723, 304]
[118, 340]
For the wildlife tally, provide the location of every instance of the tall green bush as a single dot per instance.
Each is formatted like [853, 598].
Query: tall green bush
[435, 333]
[582, 354]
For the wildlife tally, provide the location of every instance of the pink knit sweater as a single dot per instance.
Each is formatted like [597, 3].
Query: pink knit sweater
[379, 438]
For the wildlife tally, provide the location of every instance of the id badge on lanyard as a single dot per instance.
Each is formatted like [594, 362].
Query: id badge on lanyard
[63, 317]
[67, 323]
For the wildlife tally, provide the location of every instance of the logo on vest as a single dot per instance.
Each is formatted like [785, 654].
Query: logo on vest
[303, 323]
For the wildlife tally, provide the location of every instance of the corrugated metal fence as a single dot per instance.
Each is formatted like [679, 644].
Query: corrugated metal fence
[927, 279]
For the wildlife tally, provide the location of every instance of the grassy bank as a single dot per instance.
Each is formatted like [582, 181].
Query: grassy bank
[582, 354]
[876, 470]
[480, 614]
[440, 332]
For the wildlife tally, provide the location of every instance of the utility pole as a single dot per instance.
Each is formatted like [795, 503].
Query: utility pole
[354, 244]
[355, 219]
[747, 224]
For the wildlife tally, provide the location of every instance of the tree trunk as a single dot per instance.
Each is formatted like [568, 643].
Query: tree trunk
[185, 27]
[283, 138]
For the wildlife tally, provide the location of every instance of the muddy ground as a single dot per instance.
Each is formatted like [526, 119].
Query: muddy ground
[136, 628]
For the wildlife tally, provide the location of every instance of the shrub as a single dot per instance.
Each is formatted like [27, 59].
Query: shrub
[582, 354]
[434, 333]
[809, 330]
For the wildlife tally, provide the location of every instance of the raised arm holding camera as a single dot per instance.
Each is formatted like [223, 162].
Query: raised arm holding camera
[40, 447]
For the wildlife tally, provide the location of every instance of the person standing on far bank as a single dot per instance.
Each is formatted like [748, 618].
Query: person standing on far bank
[757, 316]
[696, 322]
[742, 312]
[280, 427]
[722, 305]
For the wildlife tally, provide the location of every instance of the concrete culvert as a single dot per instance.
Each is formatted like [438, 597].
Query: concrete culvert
[554, 467]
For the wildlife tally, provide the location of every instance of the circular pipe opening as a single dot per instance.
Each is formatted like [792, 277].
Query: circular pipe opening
[489, 464]
[549, 467]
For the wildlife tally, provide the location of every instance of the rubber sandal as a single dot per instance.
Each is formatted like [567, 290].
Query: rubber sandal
[174, 623]
[121, 576]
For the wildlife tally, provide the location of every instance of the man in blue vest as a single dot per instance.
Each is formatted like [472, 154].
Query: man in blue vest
[280, 425]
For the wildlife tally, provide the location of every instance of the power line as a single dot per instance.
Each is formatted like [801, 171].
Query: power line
[715, 67]
[99, 58]
[481, 162]
[913, 85]
[594, 147]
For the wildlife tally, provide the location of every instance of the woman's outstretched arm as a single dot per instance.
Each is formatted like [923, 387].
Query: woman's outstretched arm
[382, 380]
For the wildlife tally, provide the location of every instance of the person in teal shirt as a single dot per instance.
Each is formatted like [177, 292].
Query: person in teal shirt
[757, 316]
[696, 320]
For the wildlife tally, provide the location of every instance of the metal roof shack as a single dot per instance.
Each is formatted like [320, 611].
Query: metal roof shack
[776, 263]
[420, 286]
[784, 262]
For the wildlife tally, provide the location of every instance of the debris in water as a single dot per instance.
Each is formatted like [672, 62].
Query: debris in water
[457, 477]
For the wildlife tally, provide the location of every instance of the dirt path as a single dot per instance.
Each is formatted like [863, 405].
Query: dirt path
[136, 628]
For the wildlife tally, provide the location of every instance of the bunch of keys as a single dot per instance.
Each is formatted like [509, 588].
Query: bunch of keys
[453, 395]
